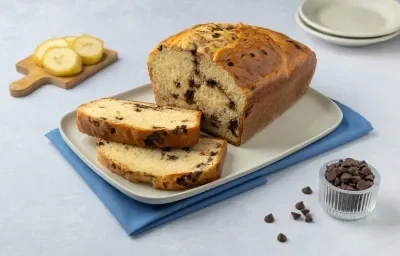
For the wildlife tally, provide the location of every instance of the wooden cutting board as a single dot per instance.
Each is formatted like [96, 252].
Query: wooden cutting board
[36, 76]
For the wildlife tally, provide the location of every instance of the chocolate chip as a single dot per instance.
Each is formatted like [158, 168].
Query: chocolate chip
[355, 179]
[337, 182]
[252, 55]
[230, 63]
[100, 143]
[113, 131]
[103, 118]
[307, 190]
[331, 176]
[172, 157]
[175, 95]
[343, 186]
[184, 121]
[180, 128]
[213, 153]
[353, 170]
[138, 110]
[160, 47]
[263, 52]
[282, 238]
[215, 35]
[177, 85]
[101, 107]
[113, 165]
[308, 218]
[345, 178]
[350, 188]
[233, 125]
[362, 185]
[189, 96]
[211, 83]
[157, 127]
[305, 211]
[119, 118]
[295, 215]
[231, 105]
[153, 139]
[366, 171]
[269, 218]
[300, 205]
[192, 84]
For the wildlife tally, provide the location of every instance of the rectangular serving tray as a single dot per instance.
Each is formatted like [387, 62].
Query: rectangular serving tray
[311, 118]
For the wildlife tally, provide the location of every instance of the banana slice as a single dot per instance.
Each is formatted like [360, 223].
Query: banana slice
[89, 48]
[62, 61]
[44, 46]
[70, 40]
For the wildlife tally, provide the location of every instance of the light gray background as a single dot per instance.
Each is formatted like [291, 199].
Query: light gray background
[46, 208]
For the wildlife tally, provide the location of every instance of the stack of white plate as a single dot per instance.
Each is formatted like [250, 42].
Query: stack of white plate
[350, 22]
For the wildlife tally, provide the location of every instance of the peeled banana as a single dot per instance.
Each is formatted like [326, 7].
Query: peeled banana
[89, 48]
[44, 46]
[61, 61]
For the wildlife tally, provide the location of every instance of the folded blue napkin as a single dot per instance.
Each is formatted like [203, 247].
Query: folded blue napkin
[136, 217]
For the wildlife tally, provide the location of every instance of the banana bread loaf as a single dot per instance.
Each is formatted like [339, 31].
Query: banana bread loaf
[166, 169]
[139, 123]
[241, 77]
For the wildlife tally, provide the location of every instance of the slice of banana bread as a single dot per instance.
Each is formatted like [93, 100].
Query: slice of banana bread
[139, 123]
[165, 169]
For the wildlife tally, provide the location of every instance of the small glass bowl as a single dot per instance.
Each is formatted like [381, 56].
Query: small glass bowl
[344, 204]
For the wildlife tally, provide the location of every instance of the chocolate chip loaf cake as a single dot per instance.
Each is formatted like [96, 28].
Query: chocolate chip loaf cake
[139, 123]
[165, 169]
[241, 77]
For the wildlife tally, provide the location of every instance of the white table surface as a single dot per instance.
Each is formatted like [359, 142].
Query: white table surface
[47, 209]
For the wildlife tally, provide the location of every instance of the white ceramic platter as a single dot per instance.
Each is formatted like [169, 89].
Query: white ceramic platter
[311, 118]
[352, 18]
[343, 41]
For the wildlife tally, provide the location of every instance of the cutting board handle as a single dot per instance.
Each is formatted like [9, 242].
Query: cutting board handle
[27, 84]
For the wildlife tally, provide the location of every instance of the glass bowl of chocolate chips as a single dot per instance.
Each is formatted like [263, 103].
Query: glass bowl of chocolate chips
[348, 188]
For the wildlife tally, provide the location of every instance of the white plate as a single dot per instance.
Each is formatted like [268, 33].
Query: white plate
[352, 18]
[311, 118]
[344, 41]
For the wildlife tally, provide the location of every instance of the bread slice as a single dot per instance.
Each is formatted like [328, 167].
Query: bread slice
[165, 169]
[139, 123]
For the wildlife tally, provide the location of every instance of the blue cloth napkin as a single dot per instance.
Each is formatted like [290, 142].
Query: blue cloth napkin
[136, 217]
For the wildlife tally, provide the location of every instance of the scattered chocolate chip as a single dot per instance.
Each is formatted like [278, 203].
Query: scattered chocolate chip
[295, 215]
[113, 165]
[184, 121]
[157, 127]
[187, 149]
[252, 55]
[153, 139]
[177, 85]
[100, 143]
[282, 238]
[180, 128]
[230, 63]
[300, 205]
[119, 118]
[215, 35]
[101, 107]
[103, 118]
[269, 218]
[307, 190]
[305, 211]
[175, 96]
[113, 131]
[308, 218]
[138, 110]
[263, 52]
[160, 47]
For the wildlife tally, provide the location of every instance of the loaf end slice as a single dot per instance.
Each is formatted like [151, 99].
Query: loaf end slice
[165, 169]
[139, 123]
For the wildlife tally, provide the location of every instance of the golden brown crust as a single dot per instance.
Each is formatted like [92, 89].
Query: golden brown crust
[272, 70]
[159, 138]
[173, 182]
